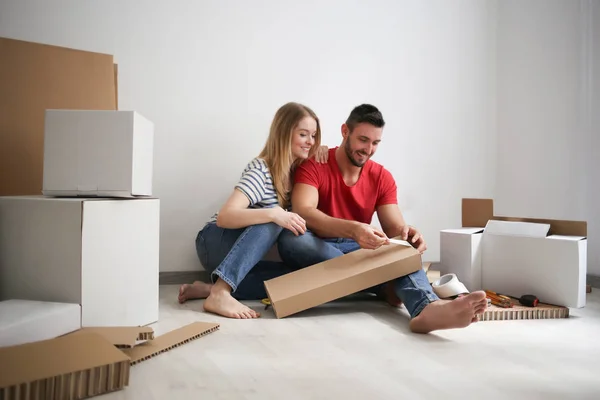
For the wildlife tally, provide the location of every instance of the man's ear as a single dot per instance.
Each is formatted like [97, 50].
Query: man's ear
[345, 131]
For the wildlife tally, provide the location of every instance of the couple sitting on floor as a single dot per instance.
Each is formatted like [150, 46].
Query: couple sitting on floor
[332, 203]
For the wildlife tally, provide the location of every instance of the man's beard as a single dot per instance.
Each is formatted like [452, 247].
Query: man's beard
[348, 151]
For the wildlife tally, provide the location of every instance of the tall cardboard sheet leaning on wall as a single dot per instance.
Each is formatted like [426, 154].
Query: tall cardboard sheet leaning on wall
[35, 77]
[339, 277]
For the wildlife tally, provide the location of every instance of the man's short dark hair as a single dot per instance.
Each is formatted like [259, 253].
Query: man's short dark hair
[366, 113]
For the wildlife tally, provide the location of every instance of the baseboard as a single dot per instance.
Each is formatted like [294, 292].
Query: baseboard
[180, 277]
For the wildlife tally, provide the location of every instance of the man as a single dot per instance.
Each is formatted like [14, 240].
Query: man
[338, 199]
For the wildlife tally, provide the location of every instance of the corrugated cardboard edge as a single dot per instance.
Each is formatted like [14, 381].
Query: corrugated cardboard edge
[477, 212]
[82, 379]
[518, 312]
[121, 336]
[169, 340]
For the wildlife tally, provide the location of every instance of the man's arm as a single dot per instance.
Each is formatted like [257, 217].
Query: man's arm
[305, 199]
[393, 224]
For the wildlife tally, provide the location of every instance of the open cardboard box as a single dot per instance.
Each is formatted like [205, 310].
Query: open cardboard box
[87, 362]
[517, 256]
[333, 279]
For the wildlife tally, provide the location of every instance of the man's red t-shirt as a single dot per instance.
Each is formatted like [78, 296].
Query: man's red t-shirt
[374, 187]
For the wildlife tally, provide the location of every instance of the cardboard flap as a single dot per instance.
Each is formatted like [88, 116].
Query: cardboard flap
[170, 340]
[557, 227]
[526, 229]
[477, 212]
[121, 336]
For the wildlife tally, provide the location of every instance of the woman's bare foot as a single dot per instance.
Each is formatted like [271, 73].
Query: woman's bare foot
[197, 290]
[450, 314]
[220, 301]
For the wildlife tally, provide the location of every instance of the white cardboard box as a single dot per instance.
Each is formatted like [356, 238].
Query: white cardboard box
[517, 256]
[100, 253]
[461, 254]
[97, 153]
[26, 321]
[522, 258]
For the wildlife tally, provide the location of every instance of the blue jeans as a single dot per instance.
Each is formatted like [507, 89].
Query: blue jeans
[235, 256]
[298, 252]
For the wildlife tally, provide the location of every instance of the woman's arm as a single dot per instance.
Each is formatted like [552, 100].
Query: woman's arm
[236, 214]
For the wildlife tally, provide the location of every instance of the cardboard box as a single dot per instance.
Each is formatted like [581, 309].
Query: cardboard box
[35, 77]
[100, 253]
[522, 258]
[27, 321]
[97, 153]
[333, 279]
[460, 253]
[517, 256]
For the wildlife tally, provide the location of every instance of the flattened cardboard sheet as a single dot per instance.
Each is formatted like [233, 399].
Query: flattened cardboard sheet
[518, 311]
[33, 78]
[67, 367]
[169, 340]
[121, 336]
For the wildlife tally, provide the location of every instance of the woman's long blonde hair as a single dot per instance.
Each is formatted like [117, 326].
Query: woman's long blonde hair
[277, 152]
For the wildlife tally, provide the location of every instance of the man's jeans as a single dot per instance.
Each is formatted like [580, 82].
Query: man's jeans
[302, 251]
[235, 255]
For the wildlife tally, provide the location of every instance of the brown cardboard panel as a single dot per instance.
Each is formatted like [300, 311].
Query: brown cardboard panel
[333, 279]
[169, 340]
[121, 336]
[426, 266]
[35, 77]
[476, 212]
[71, 366]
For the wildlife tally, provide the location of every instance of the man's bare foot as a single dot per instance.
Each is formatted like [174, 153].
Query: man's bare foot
[390, 295]
[197, 290]
[450, 314]
[220, 301]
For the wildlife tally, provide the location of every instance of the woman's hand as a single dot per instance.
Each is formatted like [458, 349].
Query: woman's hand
[322, 154]
[289, 220]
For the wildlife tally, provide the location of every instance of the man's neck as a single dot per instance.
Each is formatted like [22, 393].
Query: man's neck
[350, 172]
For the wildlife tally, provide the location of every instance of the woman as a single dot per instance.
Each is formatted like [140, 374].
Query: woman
[233, 243]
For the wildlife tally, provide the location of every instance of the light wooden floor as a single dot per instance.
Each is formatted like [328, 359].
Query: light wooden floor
[361, 349]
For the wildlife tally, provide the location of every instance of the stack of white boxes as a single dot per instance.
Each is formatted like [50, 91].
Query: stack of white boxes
[92, 237]
[517, 256]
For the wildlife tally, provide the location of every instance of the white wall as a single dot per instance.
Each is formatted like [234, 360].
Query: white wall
[547, 113]
[211, 75]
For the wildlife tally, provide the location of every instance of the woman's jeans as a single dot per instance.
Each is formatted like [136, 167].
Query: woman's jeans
[236, 256]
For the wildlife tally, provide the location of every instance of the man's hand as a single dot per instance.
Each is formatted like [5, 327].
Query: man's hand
[414, 237]
[369, 237]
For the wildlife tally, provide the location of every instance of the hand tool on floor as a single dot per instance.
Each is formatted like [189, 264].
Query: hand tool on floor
[498, 299]
[266, 302]
[529, 300]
